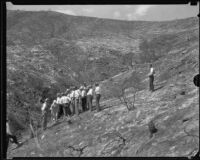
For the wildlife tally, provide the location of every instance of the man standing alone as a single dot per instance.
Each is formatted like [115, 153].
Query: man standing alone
[151, 78]
[98, 96]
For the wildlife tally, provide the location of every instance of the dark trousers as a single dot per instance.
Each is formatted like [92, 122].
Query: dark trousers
[44, 120]
[60, 111]
[77, 106]
[72, 107]
[84, 103]
[80, 105]
[8, 137]
[66, 109]
[151, 85]
[89, 102]
[98, 96]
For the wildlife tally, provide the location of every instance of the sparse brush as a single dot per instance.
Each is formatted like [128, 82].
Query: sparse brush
[118, 90]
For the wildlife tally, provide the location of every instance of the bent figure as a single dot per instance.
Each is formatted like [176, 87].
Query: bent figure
[10, 135]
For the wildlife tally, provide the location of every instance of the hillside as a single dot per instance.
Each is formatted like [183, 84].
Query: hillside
[49, 51]
[114, 131]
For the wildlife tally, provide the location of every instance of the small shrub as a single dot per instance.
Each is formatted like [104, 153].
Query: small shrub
[118, 90]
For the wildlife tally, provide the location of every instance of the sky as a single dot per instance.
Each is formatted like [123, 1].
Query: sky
[120, 12]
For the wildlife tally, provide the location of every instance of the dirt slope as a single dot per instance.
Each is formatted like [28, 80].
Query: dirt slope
[174, 108]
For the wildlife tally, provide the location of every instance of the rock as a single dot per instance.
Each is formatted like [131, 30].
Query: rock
[182, 93]
[152, 128]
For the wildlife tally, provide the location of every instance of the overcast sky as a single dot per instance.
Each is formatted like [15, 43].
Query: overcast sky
[122, 12]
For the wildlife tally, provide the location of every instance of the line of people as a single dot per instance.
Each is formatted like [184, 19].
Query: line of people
[73, 102]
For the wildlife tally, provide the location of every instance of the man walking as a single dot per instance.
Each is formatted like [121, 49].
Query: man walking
[97, 96]
[44, 109]
[151, 78]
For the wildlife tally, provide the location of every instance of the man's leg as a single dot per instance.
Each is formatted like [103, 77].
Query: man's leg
[64, 110]
[7, 141]
[87, 101]
[44, 123]
[98, 96]
[149, 83]
[71, 109]
[152, 83]
[84, 103]
[80, 104]
[76, 106]
[90, 103]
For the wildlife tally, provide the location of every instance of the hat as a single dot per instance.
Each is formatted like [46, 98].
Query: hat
[81, 87]
[47, 99]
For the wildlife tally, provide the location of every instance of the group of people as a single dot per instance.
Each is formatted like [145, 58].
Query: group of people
[72, 102]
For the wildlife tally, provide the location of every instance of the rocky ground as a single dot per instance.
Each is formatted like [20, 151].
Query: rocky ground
[115, 131]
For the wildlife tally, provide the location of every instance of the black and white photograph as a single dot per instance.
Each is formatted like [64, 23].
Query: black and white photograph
[102, 80]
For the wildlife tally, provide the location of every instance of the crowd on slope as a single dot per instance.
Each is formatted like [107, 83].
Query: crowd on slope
[72, 102]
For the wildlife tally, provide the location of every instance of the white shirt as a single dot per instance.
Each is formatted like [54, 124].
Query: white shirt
[8, 130]
[44, 106]
[69, 97]
[77, 93]
[65, 99]
[72, 94]
[90, 92]
[58, 100]
[151, 71]
[83, 93]
[97, 90]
